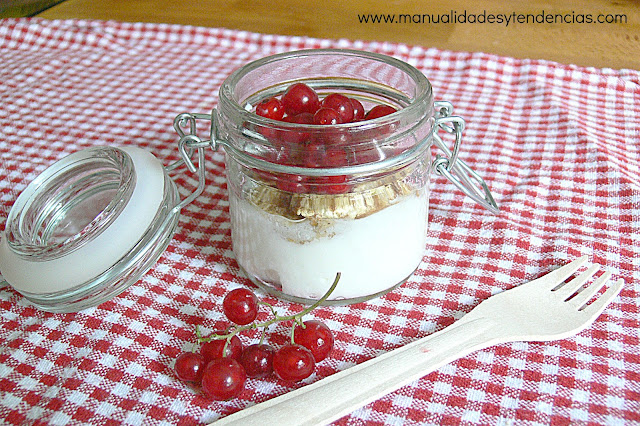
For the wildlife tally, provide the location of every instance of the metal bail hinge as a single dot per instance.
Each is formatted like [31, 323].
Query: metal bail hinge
[452, 167]
[189, 143]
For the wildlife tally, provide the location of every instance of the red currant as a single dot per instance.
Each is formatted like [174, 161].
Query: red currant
[270, 108]
[292, 183]
[302, 118]
[269, 133]
[240, 306]
[257, 360]
[300, 98]
[312, 155]
[335, 156]
[293, 363]
[379, 111]
[341, 104]
[331, 184]
[358, 109]
[327, 116]
[334, 136]
[296, 137]
[213, 349]
[189, 367]
[315, 336]
[223, 379]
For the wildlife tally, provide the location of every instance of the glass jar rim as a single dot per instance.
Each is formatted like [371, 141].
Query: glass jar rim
[27, 231]
[417, 110]
[227, 100]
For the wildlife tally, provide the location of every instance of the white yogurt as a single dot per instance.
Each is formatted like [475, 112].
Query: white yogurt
[372, 253]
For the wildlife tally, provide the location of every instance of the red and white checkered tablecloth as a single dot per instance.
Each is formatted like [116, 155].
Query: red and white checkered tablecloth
[559, 146]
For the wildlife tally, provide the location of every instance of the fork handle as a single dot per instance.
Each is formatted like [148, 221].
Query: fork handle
[339, 394]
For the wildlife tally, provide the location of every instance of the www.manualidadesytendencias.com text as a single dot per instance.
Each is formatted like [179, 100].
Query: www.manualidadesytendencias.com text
[484, 17]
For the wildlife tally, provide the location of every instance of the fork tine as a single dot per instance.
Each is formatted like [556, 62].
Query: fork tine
[596, 308]
[581, 299]
[552, 279]
[566, 290]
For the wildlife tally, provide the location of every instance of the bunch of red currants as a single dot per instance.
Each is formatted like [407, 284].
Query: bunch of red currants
[326, 146]
[222, 365]
[301, 104]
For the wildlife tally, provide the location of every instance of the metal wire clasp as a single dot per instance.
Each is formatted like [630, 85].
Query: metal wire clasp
[452, 167]
[190, 142]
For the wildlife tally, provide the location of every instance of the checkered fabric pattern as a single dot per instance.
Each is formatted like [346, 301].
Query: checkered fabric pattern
[559, 146]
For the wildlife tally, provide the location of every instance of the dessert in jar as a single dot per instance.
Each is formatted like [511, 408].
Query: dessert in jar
[328, 156]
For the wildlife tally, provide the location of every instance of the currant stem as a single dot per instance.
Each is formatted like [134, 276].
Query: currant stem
[324, 297]
[232, 331]
[293, 341]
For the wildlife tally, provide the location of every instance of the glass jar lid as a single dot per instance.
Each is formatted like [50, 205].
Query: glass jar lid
[88, 227]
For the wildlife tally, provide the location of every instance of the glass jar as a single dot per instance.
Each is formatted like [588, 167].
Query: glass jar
[308, 201]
